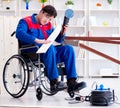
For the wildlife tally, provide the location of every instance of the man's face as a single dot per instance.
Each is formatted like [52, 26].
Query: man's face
[44, 18]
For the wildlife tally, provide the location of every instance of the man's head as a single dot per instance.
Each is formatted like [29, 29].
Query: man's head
[46, 14]
[50, 10]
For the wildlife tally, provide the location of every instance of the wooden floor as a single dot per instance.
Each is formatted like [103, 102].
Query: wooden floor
[59, 100]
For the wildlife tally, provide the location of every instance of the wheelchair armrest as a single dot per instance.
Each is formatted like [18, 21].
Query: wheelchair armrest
[29, 52]
[29, 46]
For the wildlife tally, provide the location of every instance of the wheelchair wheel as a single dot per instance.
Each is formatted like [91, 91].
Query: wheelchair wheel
[45, 85]
[16, 76]
[39, 94]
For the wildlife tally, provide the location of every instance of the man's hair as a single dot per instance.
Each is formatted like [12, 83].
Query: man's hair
[50, 10]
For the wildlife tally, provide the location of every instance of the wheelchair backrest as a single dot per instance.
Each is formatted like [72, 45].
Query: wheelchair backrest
[28, 51]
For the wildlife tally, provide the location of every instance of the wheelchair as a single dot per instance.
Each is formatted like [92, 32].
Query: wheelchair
[17, 73]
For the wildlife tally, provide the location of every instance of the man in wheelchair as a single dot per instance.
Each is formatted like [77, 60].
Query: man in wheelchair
[35, 30]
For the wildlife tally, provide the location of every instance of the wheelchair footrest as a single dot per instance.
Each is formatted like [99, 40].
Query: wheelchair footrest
[62, 85]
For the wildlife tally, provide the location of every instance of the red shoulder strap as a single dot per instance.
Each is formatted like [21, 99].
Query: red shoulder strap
[30, 23]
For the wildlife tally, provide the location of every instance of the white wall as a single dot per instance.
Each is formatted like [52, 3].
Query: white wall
[8, 44]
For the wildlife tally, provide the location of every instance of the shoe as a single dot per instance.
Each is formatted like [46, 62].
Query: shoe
[56, 85]
[53, 85]
[75, 86]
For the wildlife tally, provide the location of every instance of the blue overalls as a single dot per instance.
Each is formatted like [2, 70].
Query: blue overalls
[28, 30]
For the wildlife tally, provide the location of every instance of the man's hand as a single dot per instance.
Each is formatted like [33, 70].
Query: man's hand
[64, 29]
[40, 41]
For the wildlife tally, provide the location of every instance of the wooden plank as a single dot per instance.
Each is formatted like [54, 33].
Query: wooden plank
[92, 38]
[100, 53]
[111, 40]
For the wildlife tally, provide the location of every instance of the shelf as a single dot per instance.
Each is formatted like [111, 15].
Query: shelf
[105, 26]
[30, 10]
[7, 10]
[108, 76]
[77, 10]
[76, 26]
[104, 10]
[80, 58]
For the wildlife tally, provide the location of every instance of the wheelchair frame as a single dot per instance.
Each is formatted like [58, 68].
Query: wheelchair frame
[21, 77]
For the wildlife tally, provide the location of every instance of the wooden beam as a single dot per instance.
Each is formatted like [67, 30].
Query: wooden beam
[99, 53]
[95, 39]
[92, 38]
